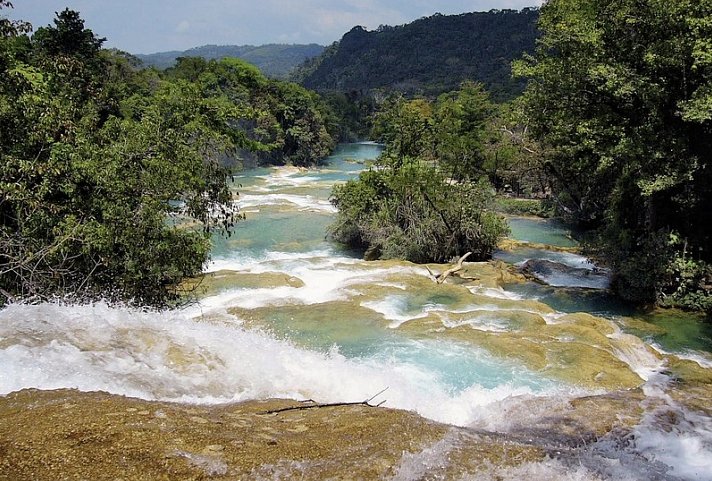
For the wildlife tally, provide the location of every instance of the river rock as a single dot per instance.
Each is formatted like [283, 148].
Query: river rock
[42, 440]
[561, 275]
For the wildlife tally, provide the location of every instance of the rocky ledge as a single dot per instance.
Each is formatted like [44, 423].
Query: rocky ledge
[72, 435]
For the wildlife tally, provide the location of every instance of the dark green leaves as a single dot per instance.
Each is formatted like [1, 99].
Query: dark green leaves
[112, 180]
[619, 97]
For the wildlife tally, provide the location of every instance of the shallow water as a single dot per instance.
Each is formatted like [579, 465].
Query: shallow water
[541, 231]
[286, 313]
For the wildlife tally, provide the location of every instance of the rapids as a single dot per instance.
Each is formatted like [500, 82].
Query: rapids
[285, 313]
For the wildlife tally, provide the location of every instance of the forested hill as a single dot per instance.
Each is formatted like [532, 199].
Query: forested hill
[274, 60]
[431, 55]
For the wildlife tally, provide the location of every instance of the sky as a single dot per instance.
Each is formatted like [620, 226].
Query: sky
[147, 26]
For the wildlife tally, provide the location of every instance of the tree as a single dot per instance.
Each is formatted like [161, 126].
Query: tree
[12, 28]
[412, 212]
[411, 206]
[68, 38]
[461, 121]
[406, 127]
[286, 118]
[106, 202]
[619, 95]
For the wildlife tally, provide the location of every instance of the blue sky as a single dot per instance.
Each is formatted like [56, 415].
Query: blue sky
[146, 26]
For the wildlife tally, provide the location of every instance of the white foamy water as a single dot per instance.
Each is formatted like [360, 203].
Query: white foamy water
[167, 356]
[685, 445]
[394, 308]
[703, 359]
[326, 277]
[300, 202]
[203, 354]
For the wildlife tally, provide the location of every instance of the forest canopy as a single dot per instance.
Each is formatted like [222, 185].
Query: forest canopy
[428, 199]
[113, 179]
[620, 99]
[429, 56]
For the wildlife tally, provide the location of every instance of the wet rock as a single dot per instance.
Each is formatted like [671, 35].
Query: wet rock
[215, 282]
[579, 349]
[512, 244]
[41, 440]
[561, 275]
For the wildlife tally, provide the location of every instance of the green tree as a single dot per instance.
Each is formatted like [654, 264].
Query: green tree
[619, 95]
[285, 117]
[107, 202]
[301, 116]
[406, 127]
[423, 202]
[461, 121]
[68, 38]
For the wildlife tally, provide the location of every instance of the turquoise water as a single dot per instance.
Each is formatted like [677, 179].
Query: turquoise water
[540, 231]
[674, 331]
[521, 254]
[288, 210]
[297, 316]
[287, 215]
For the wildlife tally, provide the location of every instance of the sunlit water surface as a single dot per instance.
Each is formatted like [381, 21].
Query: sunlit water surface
[287, 313]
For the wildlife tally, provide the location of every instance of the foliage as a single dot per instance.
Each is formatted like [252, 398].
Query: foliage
[411, 206]
[413, 213]
[113, 179]
[427, 57]
[512, 160]
[406, 127]
[348, 115]
[461, 122]
[524, 207]
[619, 97]
[680, 279]
[288, 118]
[11, 28]
[469, 135]
[687, 284]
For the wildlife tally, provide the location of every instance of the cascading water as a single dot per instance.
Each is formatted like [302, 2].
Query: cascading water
[286, 313]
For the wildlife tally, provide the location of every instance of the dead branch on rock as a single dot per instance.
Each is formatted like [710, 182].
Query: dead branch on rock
[440, 278]
[316, 405]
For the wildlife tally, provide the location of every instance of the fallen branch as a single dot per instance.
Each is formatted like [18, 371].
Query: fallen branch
[440, 278]
[8, 296]
[315, 405]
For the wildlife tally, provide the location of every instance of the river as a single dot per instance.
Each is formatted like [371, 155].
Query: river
[285, 313]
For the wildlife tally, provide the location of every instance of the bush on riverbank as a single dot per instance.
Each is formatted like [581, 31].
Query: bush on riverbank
[428, 198]
[666, 273]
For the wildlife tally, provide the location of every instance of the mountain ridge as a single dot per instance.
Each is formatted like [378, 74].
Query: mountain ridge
[428, 56]
[274, 60]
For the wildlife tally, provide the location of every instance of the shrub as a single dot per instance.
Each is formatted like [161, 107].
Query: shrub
[413, 213]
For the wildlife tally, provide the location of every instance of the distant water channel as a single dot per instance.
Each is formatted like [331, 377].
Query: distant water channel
[287, 313]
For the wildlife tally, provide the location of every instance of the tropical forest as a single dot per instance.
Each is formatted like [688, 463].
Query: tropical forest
[474, 245]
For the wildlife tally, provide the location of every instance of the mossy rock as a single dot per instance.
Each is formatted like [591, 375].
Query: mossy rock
[213, 283]
[64, 434]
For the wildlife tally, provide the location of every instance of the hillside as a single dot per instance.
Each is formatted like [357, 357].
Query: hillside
[274, 60]
[428, 56]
